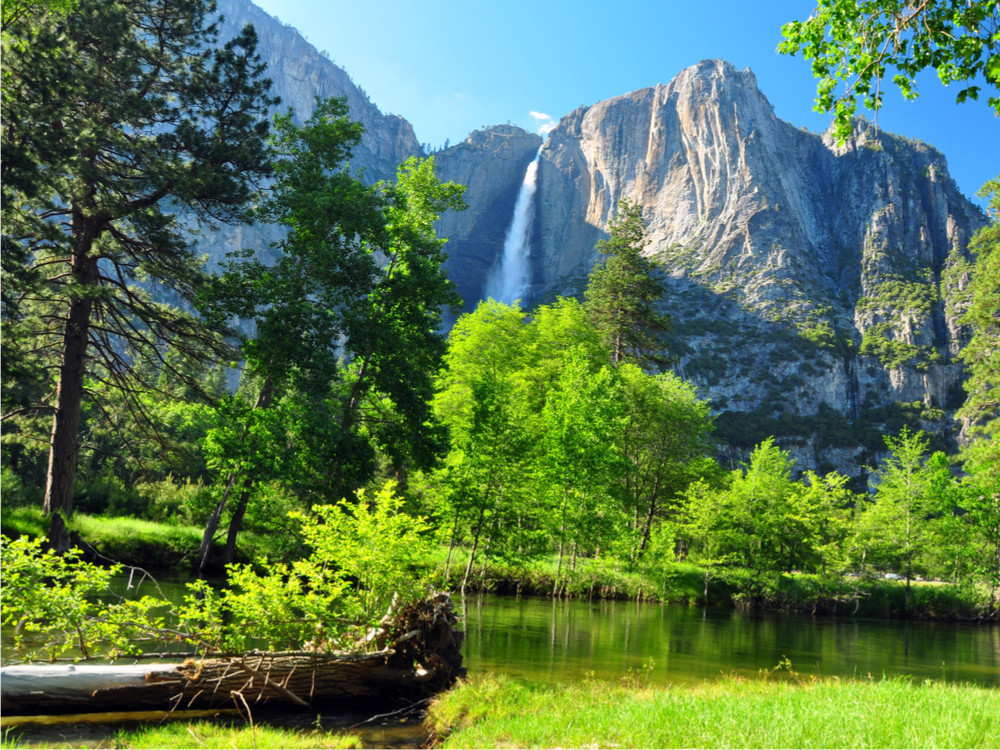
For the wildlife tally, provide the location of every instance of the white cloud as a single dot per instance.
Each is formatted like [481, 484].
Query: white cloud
[545, 122]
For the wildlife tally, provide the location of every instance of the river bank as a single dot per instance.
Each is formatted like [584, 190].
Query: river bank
[165, 547]
[780, 709]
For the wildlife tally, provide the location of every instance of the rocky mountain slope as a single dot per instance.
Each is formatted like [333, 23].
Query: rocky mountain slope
[810, 283]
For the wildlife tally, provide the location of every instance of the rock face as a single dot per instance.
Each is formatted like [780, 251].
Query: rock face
[491, 164]
[811, 284]
[299, 74]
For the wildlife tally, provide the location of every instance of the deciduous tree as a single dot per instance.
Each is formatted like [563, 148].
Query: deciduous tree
[857, 43]
[348, 316]
[896, 526]
[981, 409]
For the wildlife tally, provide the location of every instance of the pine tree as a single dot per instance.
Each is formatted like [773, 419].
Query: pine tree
[118, 116]
[622, 293]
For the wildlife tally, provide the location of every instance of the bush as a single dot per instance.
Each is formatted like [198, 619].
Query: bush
[106, 494]
[188, 503]
[15, 493]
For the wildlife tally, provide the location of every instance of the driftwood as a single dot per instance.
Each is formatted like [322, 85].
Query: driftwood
[419, 654]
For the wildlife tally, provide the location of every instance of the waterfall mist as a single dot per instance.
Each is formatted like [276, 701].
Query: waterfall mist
[508, 278]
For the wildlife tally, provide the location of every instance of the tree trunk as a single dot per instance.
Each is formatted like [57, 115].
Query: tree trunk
[451, 549]
[647, 530]
[555, 582]
[264, 399]
[235, 523]
[421, 656]
[210, 527]
[475, 544]
[64, 439]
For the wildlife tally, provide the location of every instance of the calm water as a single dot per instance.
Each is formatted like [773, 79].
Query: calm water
[562, 641]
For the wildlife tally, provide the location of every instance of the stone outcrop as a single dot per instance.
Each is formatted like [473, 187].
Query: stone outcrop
[299, 74]
[491, 164]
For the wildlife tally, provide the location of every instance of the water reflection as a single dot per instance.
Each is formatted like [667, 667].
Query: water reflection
[561, 641]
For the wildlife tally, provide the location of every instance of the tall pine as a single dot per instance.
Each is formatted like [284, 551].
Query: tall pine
[623, 291]
[118, 117]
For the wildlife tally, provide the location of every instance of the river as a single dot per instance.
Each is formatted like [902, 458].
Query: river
[561, 641]
[565, 640]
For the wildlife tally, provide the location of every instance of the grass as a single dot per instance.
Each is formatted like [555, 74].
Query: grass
[206, 734]
[497, 711]
[133, 541]
[147, 544]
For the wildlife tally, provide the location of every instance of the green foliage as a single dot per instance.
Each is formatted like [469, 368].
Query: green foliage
[895, 526]
[899, 295]
[579, 458]
[106, 493]
[553, 450]
[347, 321]
[982, 407]
[182, 502]
[665, 442]
[855, 43]
[982, 353]
[376, 546]
[91, 202]
[50, 601]
[878, 341]
[759, 519]
[819, 334]
[366, 558]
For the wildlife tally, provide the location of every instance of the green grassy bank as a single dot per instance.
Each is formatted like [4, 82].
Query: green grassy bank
[135, 541]
[198, 734]
[496, 711]
[161, 546]
[686, 583]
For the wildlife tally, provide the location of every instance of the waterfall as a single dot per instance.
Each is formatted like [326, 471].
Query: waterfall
[509, 276]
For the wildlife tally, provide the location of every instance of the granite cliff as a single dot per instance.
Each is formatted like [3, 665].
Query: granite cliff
[299, 74]
[811, 283]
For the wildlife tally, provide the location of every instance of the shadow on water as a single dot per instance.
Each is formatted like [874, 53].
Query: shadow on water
[547, 640]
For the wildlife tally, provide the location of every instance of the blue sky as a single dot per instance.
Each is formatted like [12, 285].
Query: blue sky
[450, 67]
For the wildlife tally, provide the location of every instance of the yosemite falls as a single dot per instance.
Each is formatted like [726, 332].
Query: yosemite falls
[510, 274]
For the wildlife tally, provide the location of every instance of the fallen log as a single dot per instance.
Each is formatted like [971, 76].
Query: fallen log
[419, 654]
